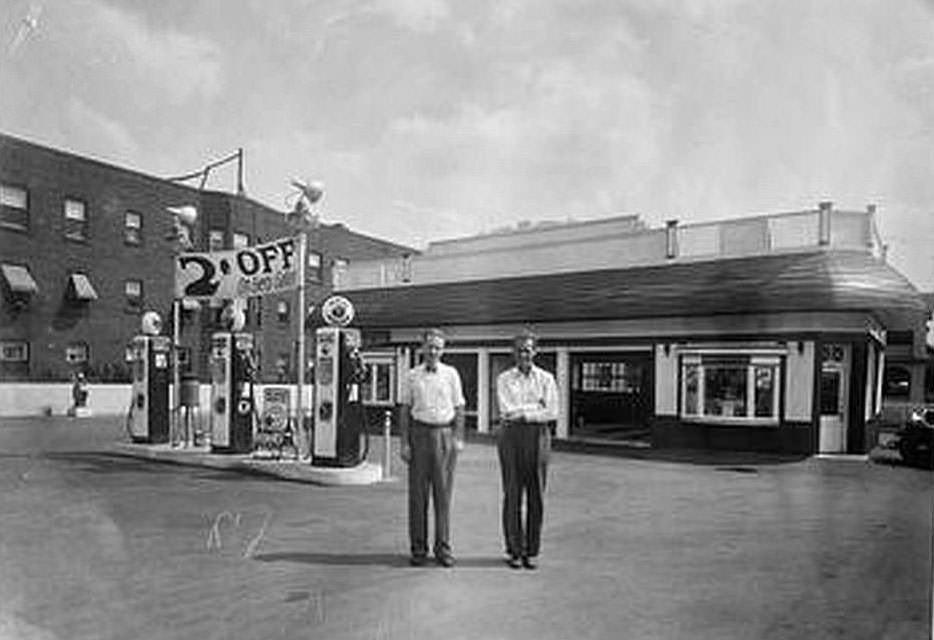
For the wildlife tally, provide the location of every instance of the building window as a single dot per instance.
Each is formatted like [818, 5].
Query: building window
[134, 294]
[610, 376]
[283, 369]
[14, 207]
[897, 382]
[216, 240]
[314, 266]
[14, 351]
[378, 386]
[282, 311]
[76, 353]
[76, 220]
[132, 228]
[337, 269]
[732, 388]
[240, 240]
[257, 308]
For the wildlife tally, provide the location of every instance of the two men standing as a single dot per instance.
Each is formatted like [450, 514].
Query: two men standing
[431, 430]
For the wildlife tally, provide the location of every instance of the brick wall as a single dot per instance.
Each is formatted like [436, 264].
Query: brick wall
[51, 322]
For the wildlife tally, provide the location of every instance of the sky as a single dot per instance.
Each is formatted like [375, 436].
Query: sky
[434, 119]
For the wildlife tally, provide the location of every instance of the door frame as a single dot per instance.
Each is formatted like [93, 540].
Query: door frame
[833, 430]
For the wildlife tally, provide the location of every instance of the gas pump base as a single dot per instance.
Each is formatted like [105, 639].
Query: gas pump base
[295, 471]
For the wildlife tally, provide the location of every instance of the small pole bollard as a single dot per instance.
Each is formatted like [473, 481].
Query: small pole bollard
[387, 444]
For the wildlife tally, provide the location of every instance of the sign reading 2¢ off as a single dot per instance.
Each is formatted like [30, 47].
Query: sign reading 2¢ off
[242, 273]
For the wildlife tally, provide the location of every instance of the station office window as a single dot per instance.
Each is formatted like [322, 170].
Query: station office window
[76, 219]
[740, 388]
[14, 207]
[133, 289]
[132, 228]
[896, 382]
[379, 385]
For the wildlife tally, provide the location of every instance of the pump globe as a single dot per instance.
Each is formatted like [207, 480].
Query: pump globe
[151, 323]
[233, 319]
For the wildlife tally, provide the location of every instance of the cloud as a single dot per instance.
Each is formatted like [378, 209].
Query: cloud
[179, 65]
[98, 132]
[417, 15]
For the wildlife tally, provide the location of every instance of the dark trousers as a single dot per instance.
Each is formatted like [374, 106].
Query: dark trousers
[523, 460]
[431, 470]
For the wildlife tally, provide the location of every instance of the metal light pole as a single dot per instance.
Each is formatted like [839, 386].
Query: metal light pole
[302, 218]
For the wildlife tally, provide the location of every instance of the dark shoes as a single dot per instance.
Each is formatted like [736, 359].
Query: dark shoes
[446, 561]
[418, 561]
[517, 562]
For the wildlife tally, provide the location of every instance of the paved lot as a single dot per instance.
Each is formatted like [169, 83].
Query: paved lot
[94, 545]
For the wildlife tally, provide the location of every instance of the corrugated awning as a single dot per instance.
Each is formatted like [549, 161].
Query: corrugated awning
[81, 287]
[18, 279]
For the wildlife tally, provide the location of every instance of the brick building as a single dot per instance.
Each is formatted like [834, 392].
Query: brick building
[86, 247]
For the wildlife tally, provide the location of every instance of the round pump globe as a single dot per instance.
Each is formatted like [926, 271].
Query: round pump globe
[151, 323]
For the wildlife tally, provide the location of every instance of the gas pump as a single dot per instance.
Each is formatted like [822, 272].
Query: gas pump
[232, 401]
[339, 371]
[148, 418]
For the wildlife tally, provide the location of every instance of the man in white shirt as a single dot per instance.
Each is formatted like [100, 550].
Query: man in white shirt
[431, 430]
[528, 404]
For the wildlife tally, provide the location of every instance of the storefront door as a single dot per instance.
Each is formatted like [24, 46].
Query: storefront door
[834, 396]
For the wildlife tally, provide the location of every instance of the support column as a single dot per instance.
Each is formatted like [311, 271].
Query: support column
[483, 390]
[563, 378]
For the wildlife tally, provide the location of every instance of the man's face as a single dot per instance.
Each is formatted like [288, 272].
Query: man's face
[525, 354]
[433, 348]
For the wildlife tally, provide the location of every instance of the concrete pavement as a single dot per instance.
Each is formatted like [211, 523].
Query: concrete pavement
[96, 545]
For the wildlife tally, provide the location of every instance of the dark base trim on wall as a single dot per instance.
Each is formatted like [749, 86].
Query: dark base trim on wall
[790, 437]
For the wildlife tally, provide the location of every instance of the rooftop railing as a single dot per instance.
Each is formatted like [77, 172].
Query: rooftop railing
[534, 254]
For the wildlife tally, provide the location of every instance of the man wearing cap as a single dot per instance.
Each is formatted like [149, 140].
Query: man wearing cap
[431, 430]
[528, 403]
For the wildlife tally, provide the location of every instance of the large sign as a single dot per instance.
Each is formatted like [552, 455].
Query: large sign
[241, 273]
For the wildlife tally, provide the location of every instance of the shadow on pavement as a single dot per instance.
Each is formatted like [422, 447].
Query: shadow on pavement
[367, 559]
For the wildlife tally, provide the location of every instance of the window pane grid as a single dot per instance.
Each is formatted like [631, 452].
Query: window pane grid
[14, 206]
[14, 351]
[730, 388]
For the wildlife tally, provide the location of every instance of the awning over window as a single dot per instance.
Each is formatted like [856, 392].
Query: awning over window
[81, 287]
[18, 279]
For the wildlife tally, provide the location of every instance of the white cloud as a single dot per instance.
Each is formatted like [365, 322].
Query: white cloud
[418, 15]
[179, 65]
[98, 132]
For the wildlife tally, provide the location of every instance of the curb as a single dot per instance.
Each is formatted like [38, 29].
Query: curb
[363, 474]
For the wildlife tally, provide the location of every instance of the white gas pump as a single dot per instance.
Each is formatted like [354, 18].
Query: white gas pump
[232, 378]
[148, 418]
[339, 418]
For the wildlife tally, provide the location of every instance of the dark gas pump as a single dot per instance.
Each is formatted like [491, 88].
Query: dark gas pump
[148, 416]
[233, 372]
[340, 438]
